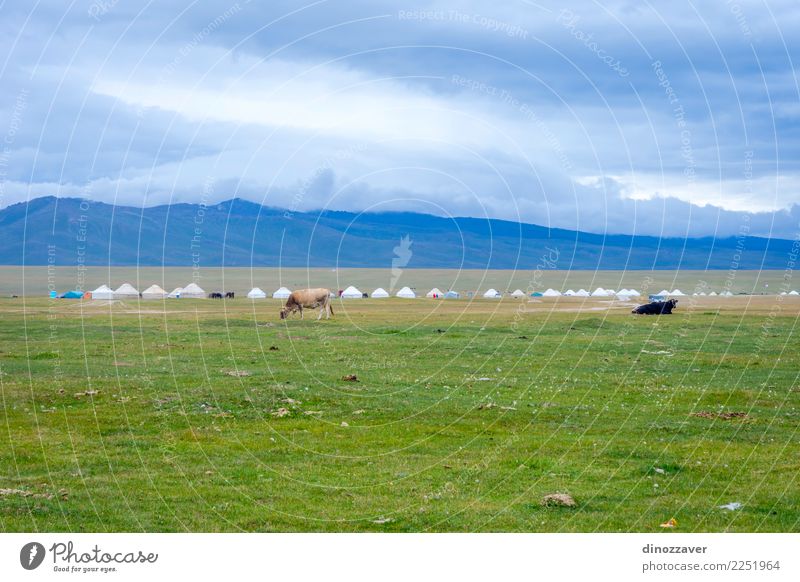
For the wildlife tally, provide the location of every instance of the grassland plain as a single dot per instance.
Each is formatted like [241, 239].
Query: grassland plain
[216, 416]
[36, 280]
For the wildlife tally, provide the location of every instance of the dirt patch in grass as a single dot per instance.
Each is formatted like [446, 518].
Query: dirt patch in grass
[721, 415]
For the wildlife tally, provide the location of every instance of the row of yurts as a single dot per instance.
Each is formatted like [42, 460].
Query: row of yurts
[194, 291]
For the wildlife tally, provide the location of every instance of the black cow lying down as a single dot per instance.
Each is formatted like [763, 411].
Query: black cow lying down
[656, 308]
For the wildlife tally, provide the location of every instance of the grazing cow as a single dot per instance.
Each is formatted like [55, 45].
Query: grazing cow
[230, 295]
[311, 299]
[656, 308]
[215, 295]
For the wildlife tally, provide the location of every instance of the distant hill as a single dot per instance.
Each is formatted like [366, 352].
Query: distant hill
[241, 233]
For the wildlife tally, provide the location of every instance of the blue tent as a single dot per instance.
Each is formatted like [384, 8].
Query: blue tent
[452, 295]
[536, 294]
[72, 295]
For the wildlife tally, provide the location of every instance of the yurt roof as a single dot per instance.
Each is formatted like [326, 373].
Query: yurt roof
[154, 289]
[127, 289]
[405, 292]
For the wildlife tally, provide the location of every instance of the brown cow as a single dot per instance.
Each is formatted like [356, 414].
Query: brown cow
[310, 298]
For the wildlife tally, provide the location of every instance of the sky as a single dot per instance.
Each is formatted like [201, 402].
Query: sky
[670, 119]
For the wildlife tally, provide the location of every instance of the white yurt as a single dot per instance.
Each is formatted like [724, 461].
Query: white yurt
[256, 293]
[551, 293]
[518, 293]
[677, 293]
[379, 293]
[569, 293]
[352, 293]
[492, 294]
[193, 291]
[126, 290]
[793, 293]
[582, 293]
[712, 294]
[634, 293]
[783, 293]
[405, 293]
[282, 293]
[105, 292]
[702, 293]
[154, 292]
[175, 293]
[435, 292]
[599, 292]
[726, 294]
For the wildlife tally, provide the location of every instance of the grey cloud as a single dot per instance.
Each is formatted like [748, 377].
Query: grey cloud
[731, 72]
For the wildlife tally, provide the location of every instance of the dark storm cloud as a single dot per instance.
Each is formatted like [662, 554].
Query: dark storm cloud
[610, 117]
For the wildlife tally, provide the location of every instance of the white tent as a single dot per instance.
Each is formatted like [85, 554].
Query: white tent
[193, 291]
[624, 293]
[677, 293]
[352, 293]
[569, 293]
[105, 292]
[712, 294]
[664, 292]
[379, 293]
[726, 294]
[518, 293]
[154, 292]
[783, 292]
[582, 293]
[551, 293]
[405, 293]
[599, 292]
[176, 293]
[793, 293]
[126, 290]
[435, 292]
[634, 293]
[492, 294]
[256, 293]
[282, 293]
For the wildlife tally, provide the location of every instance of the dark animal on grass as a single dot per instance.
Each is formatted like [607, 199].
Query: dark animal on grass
[230, 295]
[215, 295]
[308, 299]
[656, 308]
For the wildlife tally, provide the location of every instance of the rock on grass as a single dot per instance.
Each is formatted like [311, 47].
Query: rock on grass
[558, 500]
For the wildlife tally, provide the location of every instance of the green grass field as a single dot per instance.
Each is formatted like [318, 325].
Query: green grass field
[217, 416]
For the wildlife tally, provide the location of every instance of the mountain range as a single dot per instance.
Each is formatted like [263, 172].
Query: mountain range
[239, 233]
